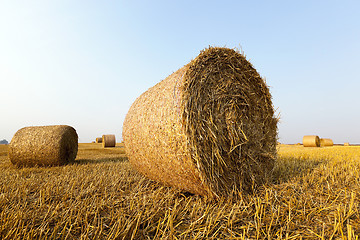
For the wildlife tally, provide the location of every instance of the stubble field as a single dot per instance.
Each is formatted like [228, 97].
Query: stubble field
[314, 194]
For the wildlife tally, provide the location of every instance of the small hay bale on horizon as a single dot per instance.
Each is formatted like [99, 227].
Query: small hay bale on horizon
[44, 146]
[311, 141]
[326, 142]
[98, 140]
[208, 128]
[108, 140]
[346, 144]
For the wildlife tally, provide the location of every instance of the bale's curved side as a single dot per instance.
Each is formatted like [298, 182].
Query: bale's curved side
[311, 141]
[44, 146]
[98, 140]
[155, 140]
[108, 140]
[208, 128]
[326, 142]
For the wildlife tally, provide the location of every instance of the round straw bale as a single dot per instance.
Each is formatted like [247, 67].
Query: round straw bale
[311, 141]
[99, 140]
[44, 146]
[346, 144]
[108, 140]
[326, 142]
[209, 128]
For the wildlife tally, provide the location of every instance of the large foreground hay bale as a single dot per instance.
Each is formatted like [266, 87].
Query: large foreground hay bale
[208, 128]
[44, 146]
[99, 140]
[311, 141]
[108, 140]
[326, 142]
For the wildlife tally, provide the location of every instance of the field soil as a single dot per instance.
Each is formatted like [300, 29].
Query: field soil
[313, 194]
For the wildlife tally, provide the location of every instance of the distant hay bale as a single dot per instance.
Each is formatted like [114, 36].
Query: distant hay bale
[108, 140]
[208, 128]
[98, 140]
[44, 146]
[326, 142]
[311, 141]
[346, 144]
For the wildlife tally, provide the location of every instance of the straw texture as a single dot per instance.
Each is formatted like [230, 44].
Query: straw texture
[311, 141]
[326, 142]
[108, 140]
[99, 140]
[208, 128]
[44, 146]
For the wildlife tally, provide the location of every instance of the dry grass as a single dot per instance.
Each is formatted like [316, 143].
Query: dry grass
[314, 194]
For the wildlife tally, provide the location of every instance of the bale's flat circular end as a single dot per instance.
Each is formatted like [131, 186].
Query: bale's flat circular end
[229, 120]
[311, 141]
[108, 140]
[98, 140]
[44, 146]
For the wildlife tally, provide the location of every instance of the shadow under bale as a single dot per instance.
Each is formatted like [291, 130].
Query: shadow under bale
[100, 160]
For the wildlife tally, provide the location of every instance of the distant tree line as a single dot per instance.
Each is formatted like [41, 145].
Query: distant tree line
[4, 141]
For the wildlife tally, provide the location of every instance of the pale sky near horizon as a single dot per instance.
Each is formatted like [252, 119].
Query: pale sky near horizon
[83, 63]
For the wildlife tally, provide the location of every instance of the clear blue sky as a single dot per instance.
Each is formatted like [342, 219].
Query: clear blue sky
[83, 63]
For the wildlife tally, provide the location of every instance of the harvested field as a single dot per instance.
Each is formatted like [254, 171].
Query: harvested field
[314, 194]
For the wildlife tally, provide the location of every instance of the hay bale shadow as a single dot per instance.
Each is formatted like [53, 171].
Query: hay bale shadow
[100, 160]
[290, 168]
